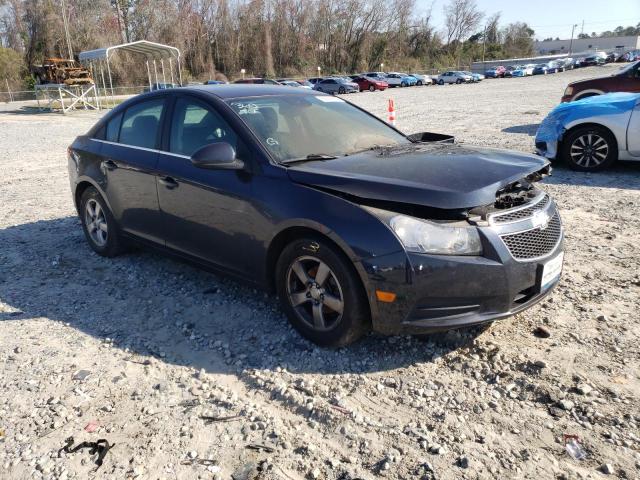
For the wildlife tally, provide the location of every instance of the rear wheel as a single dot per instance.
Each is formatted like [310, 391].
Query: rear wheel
[321, 293]
[458, 81]
[372, 88]
[419, 83]
[589, 149]
[100, 228]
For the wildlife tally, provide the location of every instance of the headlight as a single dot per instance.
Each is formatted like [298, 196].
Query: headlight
[568, 91]
[422, 236]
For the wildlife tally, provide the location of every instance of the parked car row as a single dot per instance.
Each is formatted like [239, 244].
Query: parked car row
[559, 65]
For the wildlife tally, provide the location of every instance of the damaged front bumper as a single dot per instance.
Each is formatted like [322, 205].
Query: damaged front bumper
[548, 137]
[437, 292]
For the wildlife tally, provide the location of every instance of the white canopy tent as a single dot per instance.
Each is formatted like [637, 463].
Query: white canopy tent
[153, 52]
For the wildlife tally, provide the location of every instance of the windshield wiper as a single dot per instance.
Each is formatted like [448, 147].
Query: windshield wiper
[309, 158]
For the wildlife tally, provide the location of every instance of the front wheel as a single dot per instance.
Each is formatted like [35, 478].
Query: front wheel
[419, 83]
[100, 228]
[321, 293]
[440, 82]
[589, 149]
[341, 91]
[458, 81]
[372, 88]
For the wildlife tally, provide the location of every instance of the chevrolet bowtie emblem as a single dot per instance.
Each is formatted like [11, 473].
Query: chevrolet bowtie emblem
[540, 220]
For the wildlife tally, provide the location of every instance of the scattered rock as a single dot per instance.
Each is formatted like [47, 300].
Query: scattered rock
[607, 469]
[542, 332]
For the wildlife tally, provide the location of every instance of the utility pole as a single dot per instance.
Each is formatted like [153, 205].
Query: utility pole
[65, 22]
[582, 29]
[571, 41]
[484, 39]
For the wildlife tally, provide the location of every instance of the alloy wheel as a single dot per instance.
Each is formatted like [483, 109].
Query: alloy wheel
[589, 150]
[96, 222]
[315, 293]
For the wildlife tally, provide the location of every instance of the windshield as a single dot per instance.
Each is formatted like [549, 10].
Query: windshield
[298, 126]
[629, 67]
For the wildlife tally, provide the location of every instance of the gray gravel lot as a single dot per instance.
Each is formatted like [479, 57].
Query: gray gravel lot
[140, 348]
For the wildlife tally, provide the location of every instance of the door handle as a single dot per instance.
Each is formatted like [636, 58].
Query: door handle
[168, 182]
[109, 165]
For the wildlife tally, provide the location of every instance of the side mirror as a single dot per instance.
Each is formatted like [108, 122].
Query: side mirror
[220, 156]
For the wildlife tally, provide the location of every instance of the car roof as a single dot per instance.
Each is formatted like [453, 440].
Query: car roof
[245, 90]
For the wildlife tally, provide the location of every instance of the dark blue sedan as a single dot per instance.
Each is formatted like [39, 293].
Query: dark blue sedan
[355, 225]
[540, 69]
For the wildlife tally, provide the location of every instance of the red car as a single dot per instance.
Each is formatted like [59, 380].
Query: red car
[495, 72]
[370, 84]
[626, 80]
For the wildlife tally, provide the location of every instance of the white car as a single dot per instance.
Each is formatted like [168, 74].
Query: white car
[528, 69]
[592, 133]
[397, 79]
[422, 79]
[454, 77]
[377, 76]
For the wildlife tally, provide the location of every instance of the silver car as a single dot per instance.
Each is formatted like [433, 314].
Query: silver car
[454, 77]
[336, 85]
[422, 79]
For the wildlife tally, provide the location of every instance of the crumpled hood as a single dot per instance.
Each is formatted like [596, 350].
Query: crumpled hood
[442, 176]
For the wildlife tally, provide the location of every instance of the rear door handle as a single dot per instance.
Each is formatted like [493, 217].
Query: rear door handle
[168, 182]
[109, 165]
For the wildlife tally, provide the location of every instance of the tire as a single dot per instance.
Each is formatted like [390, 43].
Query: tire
[419, 83]
[458, 81]
[313, 317]
[440, 82]
[589, 149]
[103, 237]
[342, 91]
[372, 88]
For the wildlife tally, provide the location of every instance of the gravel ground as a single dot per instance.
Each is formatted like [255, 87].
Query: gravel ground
[184, 371]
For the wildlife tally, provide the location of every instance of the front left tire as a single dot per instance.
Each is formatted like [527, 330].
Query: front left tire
[100, 228]
[321, 293]
[589, 149]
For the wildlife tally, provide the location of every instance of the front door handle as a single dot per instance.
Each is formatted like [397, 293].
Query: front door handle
[109, 165]
[168, 182]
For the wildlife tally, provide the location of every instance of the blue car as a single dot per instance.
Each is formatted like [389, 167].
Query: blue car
[410, 79]
[541, 69]
[590, 134]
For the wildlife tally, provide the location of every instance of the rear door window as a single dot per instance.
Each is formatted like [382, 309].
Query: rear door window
[141, 124]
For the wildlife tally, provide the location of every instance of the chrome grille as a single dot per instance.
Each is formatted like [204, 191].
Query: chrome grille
[534, 243]
[518, 214]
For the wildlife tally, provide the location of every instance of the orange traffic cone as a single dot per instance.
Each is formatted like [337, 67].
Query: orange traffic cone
[392, 112]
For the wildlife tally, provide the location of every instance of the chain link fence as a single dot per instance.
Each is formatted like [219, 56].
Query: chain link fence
[108, 97]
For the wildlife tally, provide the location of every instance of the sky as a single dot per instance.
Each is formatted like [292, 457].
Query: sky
[551, 18]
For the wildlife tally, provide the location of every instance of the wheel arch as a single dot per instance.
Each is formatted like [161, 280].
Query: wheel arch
[294, 231]
[590, 92]
[579, 126]
[82, 186]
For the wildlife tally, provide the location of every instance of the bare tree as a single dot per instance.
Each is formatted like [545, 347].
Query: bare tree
[462, 17]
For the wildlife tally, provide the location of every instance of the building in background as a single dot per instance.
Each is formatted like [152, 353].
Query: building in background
[588, 45]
